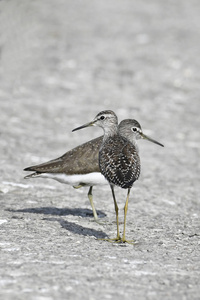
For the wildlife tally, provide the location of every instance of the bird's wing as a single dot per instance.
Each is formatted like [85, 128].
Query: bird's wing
[83, 158]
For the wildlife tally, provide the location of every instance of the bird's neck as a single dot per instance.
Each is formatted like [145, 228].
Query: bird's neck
[109, 132]
[134, 142]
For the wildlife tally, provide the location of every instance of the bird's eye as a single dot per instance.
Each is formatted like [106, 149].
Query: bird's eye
[134, 129]
[102, 118]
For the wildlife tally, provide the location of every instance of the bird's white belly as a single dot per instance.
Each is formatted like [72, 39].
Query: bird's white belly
[90, 179]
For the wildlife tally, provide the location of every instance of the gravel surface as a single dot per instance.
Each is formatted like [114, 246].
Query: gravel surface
[61, 63]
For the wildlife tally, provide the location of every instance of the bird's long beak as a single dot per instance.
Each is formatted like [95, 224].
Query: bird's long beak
[150, 139]
[85, 125]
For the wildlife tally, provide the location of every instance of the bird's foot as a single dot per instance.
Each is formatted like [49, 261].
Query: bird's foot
[119, 240]
[124, 240]
[115, 240]
[100, 222]
[131, 242]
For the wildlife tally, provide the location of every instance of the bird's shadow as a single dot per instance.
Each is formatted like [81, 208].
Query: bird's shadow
[54, 211]
[78, 229]
[70, 226]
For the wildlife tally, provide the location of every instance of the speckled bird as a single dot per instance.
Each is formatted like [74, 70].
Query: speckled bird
[119, 159]
[80, 166]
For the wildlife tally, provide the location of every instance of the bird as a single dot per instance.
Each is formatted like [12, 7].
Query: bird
[80, 166]
[77, 167]
[119, 160]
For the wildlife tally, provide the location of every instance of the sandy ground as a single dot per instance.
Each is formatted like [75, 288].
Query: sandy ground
[61, 63]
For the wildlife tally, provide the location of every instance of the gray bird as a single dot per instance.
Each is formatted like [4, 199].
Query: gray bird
[119, 160]
[80, 166]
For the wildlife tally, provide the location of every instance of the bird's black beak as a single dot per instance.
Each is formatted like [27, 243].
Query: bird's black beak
[85, 125]
[150, 139]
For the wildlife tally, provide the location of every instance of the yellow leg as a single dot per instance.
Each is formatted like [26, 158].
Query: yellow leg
[77, 186]
[118, 238]
[125, 213]
[92, 204]
[91, 200]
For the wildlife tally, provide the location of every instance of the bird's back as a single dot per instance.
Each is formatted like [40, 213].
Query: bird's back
[80, 160]
[119, 161]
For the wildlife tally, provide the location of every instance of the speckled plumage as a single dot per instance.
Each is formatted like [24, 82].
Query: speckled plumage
[79, 166]
[119, 161]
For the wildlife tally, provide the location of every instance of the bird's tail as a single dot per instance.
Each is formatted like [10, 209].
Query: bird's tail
[32, 175]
